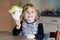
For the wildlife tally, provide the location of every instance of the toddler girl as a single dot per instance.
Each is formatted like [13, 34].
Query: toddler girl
[30, 25]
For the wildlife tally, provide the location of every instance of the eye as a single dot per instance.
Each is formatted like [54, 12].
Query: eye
[33, 12]
[27, 12]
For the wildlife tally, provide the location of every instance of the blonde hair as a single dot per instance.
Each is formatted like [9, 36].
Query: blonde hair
[38, 15]
[25, 7]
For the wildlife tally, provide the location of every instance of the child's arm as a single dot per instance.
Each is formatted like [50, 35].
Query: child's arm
[17, 29]
[18, 25]
[40, 34]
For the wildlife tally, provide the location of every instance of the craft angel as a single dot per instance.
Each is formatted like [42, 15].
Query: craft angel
[16, 12]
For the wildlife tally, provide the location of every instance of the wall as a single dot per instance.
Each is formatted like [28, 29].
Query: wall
[20, 2]
[54, 4]
[5, 18]
[37, 3]
[42, 4]
[51, 4]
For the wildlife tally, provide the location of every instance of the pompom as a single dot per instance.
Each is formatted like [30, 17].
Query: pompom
[14, 8]
[15, 11]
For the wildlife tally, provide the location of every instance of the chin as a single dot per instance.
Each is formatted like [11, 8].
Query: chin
[30, 19]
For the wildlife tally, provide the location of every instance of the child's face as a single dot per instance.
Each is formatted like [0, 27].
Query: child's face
[30, 14]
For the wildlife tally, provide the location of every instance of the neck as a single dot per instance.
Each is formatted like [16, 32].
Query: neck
[30, 21]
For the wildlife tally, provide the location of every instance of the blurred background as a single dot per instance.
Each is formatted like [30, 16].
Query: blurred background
[49, 9]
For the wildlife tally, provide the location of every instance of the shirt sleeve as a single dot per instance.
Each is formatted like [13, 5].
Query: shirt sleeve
[16, 31]
[40, 34]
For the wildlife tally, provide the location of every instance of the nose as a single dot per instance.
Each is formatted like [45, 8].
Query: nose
[29, 13]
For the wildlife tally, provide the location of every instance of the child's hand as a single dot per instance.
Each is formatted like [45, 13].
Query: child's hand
[18, 24]
[31, 36]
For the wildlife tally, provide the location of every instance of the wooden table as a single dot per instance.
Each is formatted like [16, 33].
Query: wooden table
[8, 36]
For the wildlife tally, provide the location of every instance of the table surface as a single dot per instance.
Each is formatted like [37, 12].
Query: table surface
[8, 36]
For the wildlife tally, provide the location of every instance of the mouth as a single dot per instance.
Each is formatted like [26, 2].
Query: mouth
[30, 16]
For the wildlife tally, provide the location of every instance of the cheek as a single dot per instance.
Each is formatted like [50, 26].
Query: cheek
[25, 15]
[34, 14]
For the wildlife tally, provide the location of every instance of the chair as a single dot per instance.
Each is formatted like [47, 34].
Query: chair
[54, 35]
[58, 36]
